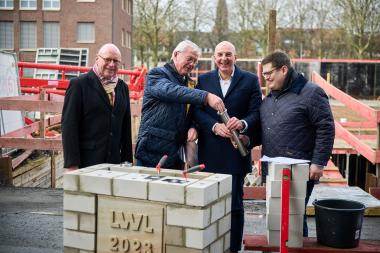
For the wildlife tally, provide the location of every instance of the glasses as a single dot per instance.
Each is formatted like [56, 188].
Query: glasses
[109, 60]
[269, 73]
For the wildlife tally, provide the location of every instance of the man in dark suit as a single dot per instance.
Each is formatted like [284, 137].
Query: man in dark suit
[241, 95]
[96, 116]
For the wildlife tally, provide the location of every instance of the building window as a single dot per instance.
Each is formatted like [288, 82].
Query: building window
[28, 36]
[86, 32]
[51, 34]
[86, 1]
[6, 35]
[51, 4]
[123, 37]
[28, 4]
[126, 5]
[6, 4]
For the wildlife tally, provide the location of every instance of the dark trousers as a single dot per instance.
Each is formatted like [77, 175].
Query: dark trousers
[309, 189]
[237, 212]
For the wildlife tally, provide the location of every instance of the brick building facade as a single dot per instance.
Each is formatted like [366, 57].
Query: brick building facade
[26, 25]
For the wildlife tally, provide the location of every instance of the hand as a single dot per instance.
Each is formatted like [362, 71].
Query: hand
[234, 124]
[215, 102]
[222, 130]
[192, 134]
[72, 168]
[316, 172]
[243, 138]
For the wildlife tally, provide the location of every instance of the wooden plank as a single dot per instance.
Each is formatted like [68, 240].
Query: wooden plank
[19, 159]
[35, 143]
[6, 170]
[310, 244]
[13, 103]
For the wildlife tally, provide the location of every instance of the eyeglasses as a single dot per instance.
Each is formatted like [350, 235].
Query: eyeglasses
[269, 73]
[109, 60]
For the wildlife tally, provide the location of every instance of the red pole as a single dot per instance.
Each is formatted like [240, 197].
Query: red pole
[285, 192]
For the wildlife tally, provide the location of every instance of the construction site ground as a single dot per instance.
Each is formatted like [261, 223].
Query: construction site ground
[31, 220]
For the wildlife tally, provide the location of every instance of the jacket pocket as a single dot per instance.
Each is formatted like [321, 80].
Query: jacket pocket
[159, 141]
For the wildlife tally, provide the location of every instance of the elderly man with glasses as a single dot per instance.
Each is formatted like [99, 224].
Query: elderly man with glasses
[96, 116]
[165, 119]
[296, 118]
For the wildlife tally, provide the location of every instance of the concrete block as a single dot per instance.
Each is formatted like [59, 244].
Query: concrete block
[99, 182]
[70, 220]
[70, 250]
[79, 202]
[87, 222]
[169, 189]
[296, 205]
[224, 224]
[176, 249]
[128, 169]
[295, 238]
[227, 240]
[201, 193]
[273, 222]
[71, 178]
[86, 251]
[200, 239]
[224, 183]
[297, 188]
[275, 171]
[132, 185]
[300, 172]
[217, 246]
[217, 210]
[174, 235]
[79, 240]
[178, 216]
[228, 204]
[199, 175]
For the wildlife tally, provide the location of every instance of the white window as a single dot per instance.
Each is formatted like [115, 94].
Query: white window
[6, 4]
[128, 40]
[86, 1]
[51, 4]
[6, 35]
[28, 35]
[126, 5]
[86, 32]
[28, 4]
[51, 34]
[129, 7]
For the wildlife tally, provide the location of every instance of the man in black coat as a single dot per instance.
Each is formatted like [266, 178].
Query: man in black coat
[296, 118]
[96, 116]
[241, 95]
[165, 117]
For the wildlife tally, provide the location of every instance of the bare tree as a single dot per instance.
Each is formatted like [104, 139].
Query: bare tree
[220, 30]
[361, 20]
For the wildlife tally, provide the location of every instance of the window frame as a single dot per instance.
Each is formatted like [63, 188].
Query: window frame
[28, 8]
[12, 36]
[86, 41]
[35, 37]
[6, 6]
[51, 8]
[58, 32]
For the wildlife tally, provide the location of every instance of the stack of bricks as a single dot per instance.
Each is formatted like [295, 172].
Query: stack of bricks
[299, 177]
[112, 208]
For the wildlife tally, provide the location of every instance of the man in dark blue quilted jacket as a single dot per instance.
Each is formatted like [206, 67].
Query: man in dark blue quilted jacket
[165, 120]
[296, 118]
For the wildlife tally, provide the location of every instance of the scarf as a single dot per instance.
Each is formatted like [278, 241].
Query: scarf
[108, 84]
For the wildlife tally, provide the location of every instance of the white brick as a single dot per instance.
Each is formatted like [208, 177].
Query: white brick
[169, 189]
[175, 249]
[227, 240]
[70, 220]
[128, 169]
[87, 222]
[70, 250]
[200, 175]
[71, 178]
[224, 225]
[99, 182]
[300, 172]
[177, 216]
[200, 239]
[201, 193]
[295, 238]
[217, 210]
[79, 202]
[296, 205]
[275, 171]
[79, 240]
[224, 183]
[228, 204]
[86, 251]
[273, 222]
[132, 185]
[297, 188]
[217, 246]
[174, 235]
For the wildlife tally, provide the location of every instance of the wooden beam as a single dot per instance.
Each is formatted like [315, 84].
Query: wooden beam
[6, 170]
[31, 143]
[20, 158]
[12, 103]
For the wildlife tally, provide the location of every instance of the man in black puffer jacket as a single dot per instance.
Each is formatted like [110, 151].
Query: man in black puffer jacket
[165, 123]
[296, 118]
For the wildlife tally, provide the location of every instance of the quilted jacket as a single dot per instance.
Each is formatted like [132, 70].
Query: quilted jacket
[164, 119]
[297, 122]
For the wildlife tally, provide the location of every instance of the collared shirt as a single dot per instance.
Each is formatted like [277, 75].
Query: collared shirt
[225, 84]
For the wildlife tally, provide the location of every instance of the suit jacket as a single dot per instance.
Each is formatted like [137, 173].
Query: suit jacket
[93, 131]
[242, 101]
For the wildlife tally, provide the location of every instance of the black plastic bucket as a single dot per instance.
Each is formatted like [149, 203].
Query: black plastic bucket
[338, 222]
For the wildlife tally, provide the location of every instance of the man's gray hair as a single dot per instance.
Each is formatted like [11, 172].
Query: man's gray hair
[183, 45]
